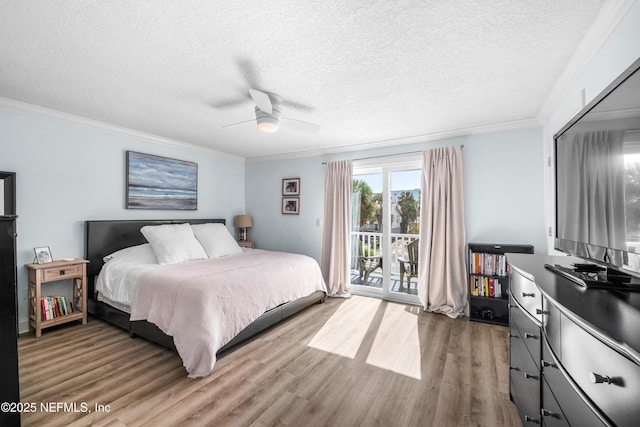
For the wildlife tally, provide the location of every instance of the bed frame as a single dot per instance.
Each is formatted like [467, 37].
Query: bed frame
[105, 237]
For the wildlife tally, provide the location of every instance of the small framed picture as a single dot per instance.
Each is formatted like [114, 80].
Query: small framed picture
[291, 205]
[43, 255]
[291, 187]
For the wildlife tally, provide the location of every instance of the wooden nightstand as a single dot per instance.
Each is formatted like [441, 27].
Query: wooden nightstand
[246, 244]
[39, 274]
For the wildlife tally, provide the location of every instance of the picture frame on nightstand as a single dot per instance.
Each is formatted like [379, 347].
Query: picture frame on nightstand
[43, 255]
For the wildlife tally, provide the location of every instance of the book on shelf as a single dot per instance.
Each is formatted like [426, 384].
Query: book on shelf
[485, 286]
[489, 264]
[55, 306]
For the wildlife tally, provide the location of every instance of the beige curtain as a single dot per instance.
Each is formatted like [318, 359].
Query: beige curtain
[337, 228]
[442, 270]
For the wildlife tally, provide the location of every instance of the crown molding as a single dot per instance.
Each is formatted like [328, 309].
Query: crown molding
[96, 124]
[477, 130]
[606, 22]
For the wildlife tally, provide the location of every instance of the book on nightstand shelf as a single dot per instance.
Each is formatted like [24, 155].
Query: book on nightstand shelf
[55, 306]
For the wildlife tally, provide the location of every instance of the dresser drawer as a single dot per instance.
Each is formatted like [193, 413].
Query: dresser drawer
[525, 291]
[550, 411]
[529, 330]
[576, 410]
[611, 381]
[551, 326]
[524, 380]
[60, 273]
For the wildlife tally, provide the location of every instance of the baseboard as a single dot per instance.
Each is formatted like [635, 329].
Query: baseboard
[23, 326]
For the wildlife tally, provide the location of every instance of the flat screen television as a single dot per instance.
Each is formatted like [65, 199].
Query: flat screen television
[597, 166]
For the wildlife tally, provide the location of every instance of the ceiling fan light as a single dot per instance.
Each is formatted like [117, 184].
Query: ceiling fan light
[268, 125]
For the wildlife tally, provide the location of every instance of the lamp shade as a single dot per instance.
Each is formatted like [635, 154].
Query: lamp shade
[242, 221]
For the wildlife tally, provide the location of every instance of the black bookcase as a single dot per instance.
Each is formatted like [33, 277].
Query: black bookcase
[489, 281]
[10, 387]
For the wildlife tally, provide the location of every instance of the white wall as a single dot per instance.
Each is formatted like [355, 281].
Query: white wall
[68, 172]
[619, 51]
[273, 230]
[615, 55]
[504, 193]
[503, 178]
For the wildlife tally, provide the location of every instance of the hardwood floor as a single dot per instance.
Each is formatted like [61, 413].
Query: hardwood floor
[355, 362]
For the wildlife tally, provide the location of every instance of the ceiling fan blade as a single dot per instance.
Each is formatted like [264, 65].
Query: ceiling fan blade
[249, 71]
[262, 100]
[300, 125]
[239, 123]
[226, 105]
[298, 106]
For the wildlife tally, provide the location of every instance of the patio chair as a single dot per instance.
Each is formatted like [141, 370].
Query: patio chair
[409, 264]
[367, 263]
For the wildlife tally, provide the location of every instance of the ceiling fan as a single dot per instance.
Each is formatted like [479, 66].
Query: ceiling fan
[268, 112]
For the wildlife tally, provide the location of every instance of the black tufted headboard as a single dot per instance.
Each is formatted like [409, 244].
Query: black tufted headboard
[105, 237]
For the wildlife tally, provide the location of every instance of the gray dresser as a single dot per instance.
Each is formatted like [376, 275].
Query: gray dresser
[575, 352]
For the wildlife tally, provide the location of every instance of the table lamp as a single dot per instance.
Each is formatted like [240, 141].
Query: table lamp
[242, 222]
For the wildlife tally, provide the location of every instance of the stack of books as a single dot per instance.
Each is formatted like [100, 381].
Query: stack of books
[489, 264]
[483, 286]
[55, 306]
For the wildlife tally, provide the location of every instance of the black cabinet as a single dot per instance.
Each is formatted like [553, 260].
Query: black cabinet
[489, 281]
[10, 390]
[10, 387]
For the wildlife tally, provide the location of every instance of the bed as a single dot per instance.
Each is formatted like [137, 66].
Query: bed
[252, 270]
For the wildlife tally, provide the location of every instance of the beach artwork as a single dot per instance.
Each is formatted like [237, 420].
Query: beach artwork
[155, 182]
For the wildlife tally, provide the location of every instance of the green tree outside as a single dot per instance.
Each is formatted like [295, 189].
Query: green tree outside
[409, 210]
[368, 207]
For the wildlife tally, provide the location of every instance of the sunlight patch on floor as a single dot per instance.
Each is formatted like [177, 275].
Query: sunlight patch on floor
[343, 333]
[397, 345]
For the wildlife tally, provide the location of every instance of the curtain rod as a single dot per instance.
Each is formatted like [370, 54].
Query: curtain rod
[387, 155]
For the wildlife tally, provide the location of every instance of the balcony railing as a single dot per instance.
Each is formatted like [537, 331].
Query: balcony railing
[372, 244]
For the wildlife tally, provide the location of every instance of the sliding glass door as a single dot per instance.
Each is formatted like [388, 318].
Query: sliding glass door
[367, 242]
[385, 229]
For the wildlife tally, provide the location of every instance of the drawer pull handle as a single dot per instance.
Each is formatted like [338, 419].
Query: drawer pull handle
[538, 311]
[529, 376]
[62, 272]
[535, 337]
[600, 379]
[546, 364]
[526, 294]
[514, 336]
[531, 419]
[550, 414]
[514, 368]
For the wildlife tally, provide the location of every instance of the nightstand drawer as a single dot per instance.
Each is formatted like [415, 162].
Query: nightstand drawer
[61, 273]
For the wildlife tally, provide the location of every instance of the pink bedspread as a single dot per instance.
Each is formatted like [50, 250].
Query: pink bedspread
[204, 304]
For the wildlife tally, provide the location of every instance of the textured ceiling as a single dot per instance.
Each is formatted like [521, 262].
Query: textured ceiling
[366, 71]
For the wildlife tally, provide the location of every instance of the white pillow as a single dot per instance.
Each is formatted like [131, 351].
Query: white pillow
[216, 239]
[139, 254]
[173, 243]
